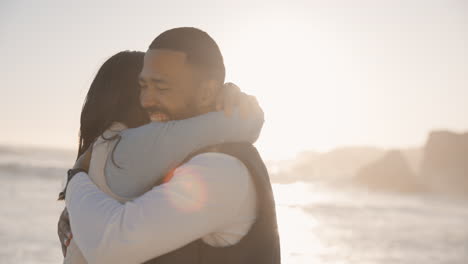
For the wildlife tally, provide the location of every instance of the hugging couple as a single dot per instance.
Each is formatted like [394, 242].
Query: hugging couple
[166, 170]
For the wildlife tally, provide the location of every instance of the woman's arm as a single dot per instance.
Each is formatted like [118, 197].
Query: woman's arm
[149, 152]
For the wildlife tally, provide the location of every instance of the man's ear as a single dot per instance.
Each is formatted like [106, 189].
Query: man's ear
[208, 92]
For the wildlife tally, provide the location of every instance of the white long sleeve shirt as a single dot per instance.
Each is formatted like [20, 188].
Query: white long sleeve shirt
[210, 197]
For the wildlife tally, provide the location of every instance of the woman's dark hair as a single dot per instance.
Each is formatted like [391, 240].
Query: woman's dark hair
[112, 97]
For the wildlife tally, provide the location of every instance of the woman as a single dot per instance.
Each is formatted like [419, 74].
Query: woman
[112, 109]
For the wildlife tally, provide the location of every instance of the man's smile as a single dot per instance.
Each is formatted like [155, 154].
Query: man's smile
[158, 116]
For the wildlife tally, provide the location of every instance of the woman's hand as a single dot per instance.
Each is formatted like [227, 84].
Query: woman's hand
[64, 231]
[231, 96]
[84, 160]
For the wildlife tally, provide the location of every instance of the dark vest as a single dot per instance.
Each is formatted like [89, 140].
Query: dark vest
[261, 244]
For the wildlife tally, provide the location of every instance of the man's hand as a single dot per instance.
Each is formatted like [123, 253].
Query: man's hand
[231, 96]
[63, 226]
[64, 231]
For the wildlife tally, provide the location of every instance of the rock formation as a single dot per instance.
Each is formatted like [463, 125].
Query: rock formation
[445, 163]
[390, 173]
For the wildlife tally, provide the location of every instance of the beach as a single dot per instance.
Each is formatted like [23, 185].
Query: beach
[318, 223]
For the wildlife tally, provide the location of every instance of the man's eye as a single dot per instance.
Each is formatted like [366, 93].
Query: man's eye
[163, 88]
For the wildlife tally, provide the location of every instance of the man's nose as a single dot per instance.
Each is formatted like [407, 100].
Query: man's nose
[148, 100]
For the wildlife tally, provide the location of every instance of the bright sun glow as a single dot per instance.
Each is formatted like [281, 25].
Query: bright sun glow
[306, 91]
[327, 73]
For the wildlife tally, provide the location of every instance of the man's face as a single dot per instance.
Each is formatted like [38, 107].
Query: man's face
[168, 86]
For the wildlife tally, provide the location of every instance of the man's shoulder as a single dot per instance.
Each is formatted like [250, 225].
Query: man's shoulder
[216, 170]
[218, 161]
[213, 179]
[242, 151]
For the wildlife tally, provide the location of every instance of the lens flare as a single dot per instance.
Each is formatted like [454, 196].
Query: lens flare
[194, 190]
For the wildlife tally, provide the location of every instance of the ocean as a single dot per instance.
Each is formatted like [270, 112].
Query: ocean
[318, 222]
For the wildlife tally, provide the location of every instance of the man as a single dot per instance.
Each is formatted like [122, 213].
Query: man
[216, 207]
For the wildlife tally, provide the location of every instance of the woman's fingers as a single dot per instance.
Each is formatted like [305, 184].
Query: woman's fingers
[220, 101]
[231, 96]
[244, 106]
[254, 105]
[249, 106]
[84, 160]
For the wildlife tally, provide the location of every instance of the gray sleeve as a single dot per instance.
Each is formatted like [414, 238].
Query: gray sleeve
[145, 154]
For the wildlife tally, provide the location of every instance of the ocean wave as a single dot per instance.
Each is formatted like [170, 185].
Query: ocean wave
[15, 170]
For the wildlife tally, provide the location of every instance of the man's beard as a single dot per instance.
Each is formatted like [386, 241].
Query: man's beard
[159, 114]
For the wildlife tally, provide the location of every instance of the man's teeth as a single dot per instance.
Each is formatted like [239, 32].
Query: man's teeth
[158, 117]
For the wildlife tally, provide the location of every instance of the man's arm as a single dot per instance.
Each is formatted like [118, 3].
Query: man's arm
[204, 196]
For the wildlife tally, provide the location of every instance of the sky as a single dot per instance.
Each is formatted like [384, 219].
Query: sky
[327, 73]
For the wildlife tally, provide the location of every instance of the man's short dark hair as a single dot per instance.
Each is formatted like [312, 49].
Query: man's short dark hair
[201, 50]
